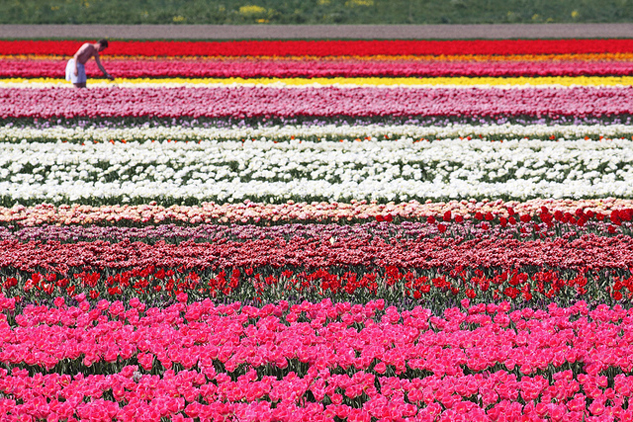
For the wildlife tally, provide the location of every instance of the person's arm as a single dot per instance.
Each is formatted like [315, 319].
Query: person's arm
[101, 68]
[75, 60]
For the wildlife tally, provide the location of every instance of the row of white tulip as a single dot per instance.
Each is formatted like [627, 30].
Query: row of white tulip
[260, 170]
[314, 132]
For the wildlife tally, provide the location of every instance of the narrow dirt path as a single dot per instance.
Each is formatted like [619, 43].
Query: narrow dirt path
[211, 32]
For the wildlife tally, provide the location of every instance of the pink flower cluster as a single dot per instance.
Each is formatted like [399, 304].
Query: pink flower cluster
[242, 102]
[314, 68]
[291, 212]
[316, 361]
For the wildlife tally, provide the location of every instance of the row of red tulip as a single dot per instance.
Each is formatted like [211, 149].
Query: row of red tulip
[429, 287]
[324, 48]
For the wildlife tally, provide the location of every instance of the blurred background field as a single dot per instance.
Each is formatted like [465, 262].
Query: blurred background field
[235, 12]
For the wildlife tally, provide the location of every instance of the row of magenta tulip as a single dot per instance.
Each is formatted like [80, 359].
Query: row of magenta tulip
[326, 102]
[314, 68]
[317, 360]
[436, 288]
[542, 210]
[325, 48]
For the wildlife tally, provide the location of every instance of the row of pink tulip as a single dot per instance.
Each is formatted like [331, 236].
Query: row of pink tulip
[313, 68]
[251, 212]
[330, 359]
[330, 101]
[188, 395]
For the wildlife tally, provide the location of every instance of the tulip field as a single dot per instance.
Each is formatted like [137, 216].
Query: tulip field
[354, 231]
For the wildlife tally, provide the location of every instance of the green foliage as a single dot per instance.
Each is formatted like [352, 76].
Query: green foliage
[237, 12]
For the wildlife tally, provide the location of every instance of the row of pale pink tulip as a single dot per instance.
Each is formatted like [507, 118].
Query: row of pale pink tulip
[328, 358]
[250, 212]
[311, 67]
[329, 101]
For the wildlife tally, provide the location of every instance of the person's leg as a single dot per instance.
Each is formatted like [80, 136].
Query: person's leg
[81, 77]
[70, 66]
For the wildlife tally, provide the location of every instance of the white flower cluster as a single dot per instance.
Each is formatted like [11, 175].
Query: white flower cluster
[263, 170]
[315, 132]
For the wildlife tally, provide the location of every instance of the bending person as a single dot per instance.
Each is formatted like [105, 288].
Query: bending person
[75, 69]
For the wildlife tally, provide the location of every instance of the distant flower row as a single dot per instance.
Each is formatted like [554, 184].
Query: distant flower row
[483, 82]
[242, 131]
[240, 102]
[326, 48]
[312, 67]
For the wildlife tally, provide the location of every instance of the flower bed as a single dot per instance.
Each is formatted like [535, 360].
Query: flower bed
[250, 212]
[328, 48]
[314, 68]
[328, 101]
[315, 361]
[103, 130]
[426, 264]
[383, 170]
[520, 82]
[329, 230]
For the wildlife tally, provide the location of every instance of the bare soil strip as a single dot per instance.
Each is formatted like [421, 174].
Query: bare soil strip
[233, 32]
